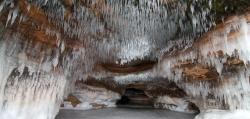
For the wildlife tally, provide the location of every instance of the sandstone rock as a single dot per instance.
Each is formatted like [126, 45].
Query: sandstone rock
[73, 100]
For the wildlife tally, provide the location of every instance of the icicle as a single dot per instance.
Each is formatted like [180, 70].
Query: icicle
[14, 16]
[62, 46]
[2, 6]
[9, 17]
[55, 61]
[45, 2]
[28, 7]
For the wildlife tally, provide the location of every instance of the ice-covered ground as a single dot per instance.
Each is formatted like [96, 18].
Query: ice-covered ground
[222, 114]
[123, 113]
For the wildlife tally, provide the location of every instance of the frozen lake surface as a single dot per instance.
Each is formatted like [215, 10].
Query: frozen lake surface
[122, 113]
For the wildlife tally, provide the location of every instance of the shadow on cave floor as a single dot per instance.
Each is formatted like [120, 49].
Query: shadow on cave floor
[123, 113]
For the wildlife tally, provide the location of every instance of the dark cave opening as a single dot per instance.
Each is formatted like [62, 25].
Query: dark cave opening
[135, 98]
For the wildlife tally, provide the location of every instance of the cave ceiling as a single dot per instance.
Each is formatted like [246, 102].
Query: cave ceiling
[118, 37]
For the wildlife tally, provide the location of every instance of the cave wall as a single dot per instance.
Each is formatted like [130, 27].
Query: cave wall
[186, 55]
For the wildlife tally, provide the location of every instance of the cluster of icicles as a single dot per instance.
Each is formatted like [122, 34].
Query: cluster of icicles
[31, 90]
[122, 24]
[232, 91]
[26, 90]
[232, 88]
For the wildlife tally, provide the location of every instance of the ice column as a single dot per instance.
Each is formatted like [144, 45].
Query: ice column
[28, 92]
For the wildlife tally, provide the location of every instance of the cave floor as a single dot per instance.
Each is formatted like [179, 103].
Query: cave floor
[122, 113]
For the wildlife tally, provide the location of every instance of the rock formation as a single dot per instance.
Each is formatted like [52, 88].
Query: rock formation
[182, 55]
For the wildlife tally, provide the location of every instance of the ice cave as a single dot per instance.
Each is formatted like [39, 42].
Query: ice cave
[124, 59]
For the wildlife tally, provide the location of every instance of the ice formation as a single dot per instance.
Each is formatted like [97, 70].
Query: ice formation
[90, 96]
[27, 91]
[77, 36]
[143, 27]
[231, 89]
[175, 104]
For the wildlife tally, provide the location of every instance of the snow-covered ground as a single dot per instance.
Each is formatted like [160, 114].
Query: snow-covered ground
[222, 114]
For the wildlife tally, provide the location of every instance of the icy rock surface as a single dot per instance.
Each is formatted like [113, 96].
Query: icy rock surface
[90, 96]
[122, 30]
[174, 104]
[26, 91]
[232, 90]
[117, 31]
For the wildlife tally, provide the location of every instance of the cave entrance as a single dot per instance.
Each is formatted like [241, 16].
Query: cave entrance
[135, 98]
